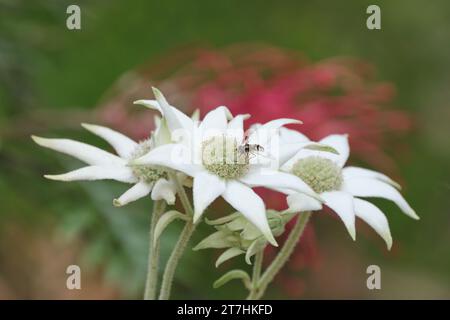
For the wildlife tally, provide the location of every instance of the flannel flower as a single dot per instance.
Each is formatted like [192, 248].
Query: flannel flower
[103, 165]
[342, 187]
[210, 152]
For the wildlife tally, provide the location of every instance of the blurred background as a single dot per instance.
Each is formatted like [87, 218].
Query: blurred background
[317, 61]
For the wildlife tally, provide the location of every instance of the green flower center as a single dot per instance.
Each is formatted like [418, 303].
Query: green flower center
[149, 174]
[221, 156]
[319, 173]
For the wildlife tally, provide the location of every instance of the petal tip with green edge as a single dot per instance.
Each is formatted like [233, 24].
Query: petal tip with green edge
[91, 127]
[158, 94]
[322, 148]
[287, 121]
[414, 215]
[117, 203]
[40, 141]
[389, 242]
[394, 183]
[269, 236]
[352, 232]
[55, 177]
[146, 104]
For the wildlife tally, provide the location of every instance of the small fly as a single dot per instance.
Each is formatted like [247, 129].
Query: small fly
[250, 149]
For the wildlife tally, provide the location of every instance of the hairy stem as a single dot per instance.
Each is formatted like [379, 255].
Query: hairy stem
[284, 254]
[153, 255]
[257, 265]
[183, 196]
[174, 259]
[181, 244]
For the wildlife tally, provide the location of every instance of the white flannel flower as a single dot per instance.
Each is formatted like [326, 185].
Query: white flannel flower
[342, 187]
[103, 165]
[209, 152]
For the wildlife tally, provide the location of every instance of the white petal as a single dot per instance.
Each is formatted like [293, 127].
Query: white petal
[273, 179]
[215, 122]
[118, 173]
[367, 187]
[156, 120]
[262, 134]
[164, 190]
[375, 218]
[179, 120]
[123, 145]
[149, 103]
[236, 127]
[292, 136]
[356, 172]
[342, 203]
[176, 119]
[247, 202]
[237, 123]
[340, 143]
[298, 202]
[195, 115]
[207, 187]
[167, 112]
[162, 134]
[139, 190]
[173, 156]
[86, 153]
[288, 150]
[289, 164]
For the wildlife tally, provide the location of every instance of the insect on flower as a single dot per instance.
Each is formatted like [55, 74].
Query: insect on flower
[250, 149]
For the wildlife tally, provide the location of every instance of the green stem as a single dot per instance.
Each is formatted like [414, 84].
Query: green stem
[283, 255]
[174, 259]
[257, 265]
[181, 244]
[153, 255]
[182, 195]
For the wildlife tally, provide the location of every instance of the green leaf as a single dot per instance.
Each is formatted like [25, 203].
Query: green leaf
[223, 219]
[237, 224]
[250, 232]
[321, 147]
[231, 275]
[165, 220]
[228, 254]
[288, 216]
[217, 240]
[254, 248]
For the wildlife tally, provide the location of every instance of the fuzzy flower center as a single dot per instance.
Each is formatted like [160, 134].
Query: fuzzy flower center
[221, 156]
[319, 173]
[149, 174]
